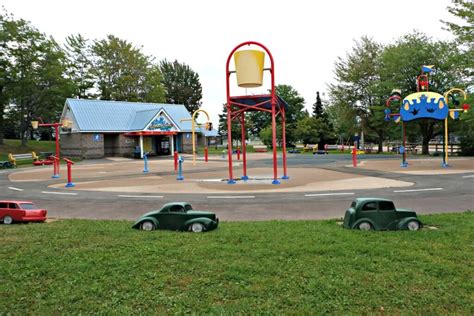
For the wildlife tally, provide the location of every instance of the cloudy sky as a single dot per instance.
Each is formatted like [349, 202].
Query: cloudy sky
[305, 37]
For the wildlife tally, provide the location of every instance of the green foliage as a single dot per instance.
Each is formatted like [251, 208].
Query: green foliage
[359, 86]
[33, 71]
[464, 10]
[124, 73]
[182, 85]
[105, 267]
[80, 66]
[14, 146]
[318, 106]
[236, 127]
[309, 130]
[466, 130]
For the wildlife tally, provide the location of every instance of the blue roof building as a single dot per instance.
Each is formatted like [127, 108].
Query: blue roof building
[98, 128]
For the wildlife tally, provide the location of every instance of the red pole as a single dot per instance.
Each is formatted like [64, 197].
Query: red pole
[238, 153]
[55, 167]
[56, 129]
[274, 144]
[206, 153]
[283, 125]
[175, 160]
[244, 147]
[229, 142]
[354, 157]
[69, 173]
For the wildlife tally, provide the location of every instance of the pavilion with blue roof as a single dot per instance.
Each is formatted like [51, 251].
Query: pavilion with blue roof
[101, 128]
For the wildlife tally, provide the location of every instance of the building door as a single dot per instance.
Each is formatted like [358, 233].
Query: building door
[163, 145]
[111, 143]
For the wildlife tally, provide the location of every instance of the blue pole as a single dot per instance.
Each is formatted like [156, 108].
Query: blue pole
[145, 160]
[180, 168]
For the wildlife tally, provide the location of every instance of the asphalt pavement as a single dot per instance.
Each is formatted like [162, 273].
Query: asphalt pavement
[429, 194]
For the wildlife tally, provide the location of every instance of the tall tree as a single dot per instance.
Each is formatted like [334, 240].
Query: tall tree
[8, 31]
[464, 10]
[261, 121]
[37, 83]
[463, 29]
[236, 129]
[318, 106]
[124, 73]
[319, 112]
[79, 65]
[358, 85]
[182, 85]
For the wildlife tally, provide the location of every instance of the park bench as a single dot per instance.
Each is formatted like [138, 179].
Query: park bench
[42, 159]
[260, 148]
[14, 158]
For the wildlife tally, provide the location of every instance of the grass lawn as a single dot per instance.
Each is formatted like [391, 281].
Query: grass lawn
[14, 146]
[299, 267]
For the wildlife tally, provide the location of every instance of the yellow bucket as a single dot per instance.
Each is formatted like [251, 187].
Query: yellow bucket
[34, 124]
[249, 68]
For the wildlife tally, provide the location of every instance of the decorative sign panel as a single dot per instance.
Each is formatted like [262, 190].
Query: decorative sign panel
[161, 123]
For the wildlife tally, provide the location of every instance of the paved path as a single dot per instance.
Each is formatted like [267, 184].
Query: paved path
[450, 192]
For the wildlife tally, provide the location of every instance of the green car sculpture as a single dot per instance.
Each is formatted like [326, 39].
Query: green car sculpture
[379, 214]
[177, 216]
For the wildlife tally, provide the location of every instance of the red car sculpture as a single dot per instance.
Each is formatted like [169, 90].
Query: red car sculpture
[21, 211]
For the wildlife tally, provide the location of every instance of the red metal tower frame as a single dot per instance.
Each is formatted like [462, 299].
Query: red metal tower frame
[236, 109]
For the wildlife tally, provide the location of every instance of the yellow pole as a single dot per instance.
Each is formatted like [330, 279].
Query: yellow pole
[446, 139]
[192, 130]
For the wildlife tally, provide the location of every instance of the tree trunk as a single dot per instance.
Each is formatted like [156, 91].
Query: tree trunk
[2, 110]
[427, 133]
[425, 149]
[1, 124]
[380, 149]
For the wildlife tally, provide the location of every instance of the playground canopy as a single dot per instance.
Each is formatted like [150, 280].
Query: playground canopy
[258, 102]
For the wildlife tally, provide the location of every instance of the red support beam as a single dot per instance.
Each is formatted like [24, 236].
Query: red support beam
[244, 147]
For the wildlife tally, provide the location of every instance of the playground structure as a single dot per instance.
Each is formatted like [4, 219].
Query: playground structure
[249, 67]
[425, 104]
[64, 124]
[208, 127]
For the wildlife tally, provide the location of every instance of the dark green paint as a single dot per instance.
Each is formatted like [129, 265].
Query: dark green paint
[381, 214]
[178, 216]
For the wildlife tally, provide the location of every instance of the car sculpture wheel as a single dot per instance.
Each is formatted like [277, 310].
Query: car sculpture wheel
[177, 216]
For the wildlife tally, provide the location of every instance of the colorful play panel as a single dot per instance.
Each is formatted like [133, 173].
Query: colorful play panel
[425, 104]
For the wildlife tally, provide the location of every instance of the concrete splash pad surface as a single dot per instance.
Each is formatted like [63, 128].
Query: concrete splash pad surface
[423, 166]
[127, 176]
[303, 180]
